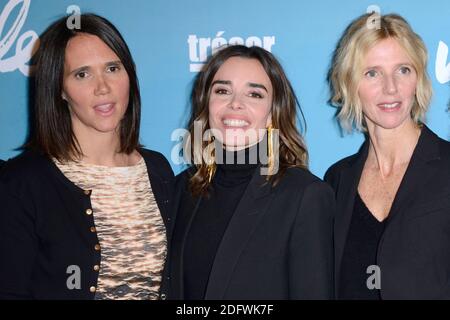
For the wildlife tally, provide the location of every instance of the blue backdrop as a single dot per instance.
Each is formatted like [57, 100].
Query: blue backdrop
[169, 39]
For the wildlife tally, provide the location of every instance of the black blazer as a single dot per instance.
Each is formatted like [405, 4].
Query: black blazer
[278, 244]
[414, 251]
[44, 228]
[1, 164]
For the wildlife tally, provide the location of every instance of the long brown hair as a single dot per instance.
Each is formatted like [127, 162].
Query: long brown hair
[292, 149]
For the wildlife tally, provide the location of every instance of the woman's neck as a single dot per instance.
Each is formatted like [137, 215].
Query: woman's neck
[246, 155]
[230, 148]
[390, 148]
[100, 148]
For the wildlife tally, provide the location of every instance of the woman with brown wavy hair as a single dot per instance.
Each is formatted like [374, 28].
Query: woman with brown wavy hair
[250, 224]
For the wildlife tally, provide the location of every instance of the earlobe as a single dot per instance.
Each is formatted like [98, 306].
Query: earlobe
[63, 96]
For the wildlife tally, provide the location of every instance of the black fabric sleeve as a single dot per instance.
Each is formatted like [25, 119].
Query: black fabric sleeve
[18, 245]
[311, 253]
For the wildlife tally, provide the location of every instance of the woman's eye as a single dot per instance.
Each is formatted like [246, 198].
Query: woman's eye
[113, 68]
[255, 95]
[81, 75]
[405, 70]
[371, 74]
[220, 91]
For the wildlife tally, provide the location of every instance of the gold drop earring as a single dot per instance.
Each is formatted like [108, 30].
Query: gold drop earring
[211, 165]
[270, 148]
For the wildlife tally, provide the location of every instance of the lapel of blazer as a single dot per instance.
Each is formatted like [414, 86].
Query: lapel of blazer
[418, 171]
[347, 188]
[251, 208]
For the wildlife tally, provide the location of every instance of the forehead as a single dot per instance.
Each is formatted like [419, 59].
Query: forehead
[88, 49]
[245, 69]
[386, 52]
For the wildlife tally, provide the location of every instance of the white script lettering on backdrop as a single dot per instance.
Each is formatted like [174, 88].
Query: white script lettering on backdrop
[23, 54]
[442, 69]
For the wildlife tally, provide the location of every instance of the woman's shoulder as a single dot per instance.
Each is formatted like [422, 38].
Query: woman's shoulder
[183, 177]
[154, 156]
[308, 189]
[443, 155]
[299, 174]
[25, 166]
[339, 165]
[301, 179]
[29, 171]
[157, 162]
[444, 147]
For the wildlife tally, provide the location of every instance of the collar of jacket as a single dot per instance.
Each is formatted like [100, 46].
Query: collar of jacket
[426, 151]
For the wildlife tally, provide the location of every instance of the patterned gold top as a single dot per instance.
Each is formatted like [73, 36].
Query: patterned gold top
[129, 226]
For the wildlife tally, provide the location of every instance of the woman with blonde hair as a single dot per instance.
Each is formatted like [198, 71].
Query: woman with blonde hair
[250, 224]
[392, 238]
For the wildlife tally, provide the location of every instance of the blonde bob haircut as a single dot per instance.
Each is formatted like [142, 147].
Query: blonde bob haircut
[346, 70]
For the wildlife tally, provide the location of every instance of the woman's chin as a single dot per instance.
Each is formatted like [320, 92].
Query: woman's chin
[234, 147]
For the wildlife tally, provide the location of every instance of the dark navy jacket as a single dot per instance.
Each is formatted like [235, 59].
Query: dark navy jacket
[45, 228]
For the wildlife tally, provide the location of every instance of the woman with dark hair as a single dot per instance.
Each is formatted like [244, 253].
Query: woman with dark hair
[252, 222]
[85, 209]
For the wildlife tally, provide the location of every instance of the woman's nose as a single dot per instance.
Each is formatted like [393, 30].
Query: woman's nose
[236, 102]
[102, 86]
[390, 85]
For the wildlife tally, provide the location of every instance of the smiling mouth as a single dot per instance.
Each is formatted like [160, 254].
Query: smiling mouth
[235, 123]
[389, 105]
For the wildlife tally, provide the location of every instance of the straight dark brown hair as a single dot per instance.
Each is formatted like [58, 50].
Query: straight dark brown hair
[53, 126]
